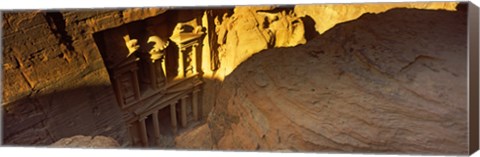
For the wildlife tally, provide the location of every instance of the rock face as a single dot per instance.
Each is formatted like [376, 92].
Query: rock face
[241, 32]
[238, 33]
[249, 30]
[392, 82]
[326, 16]
[87, 142]
[55, 83]
[198, 138]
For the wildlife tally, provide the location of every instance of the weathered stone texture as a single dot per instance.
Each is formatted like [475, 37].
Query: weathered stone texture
[252, 29]
[380, 83]
[243, 31]
[249, 29]
[86, 142]
[328, 15]
[392, 82]
[55, 84]
[198, 138]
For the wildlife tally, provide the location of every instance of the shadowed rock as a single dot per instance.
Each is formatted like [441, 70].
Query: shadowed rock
[391, 82]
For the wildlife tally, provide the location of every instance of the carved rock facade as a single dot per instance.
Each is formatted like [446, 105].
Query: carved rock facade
[136, 75]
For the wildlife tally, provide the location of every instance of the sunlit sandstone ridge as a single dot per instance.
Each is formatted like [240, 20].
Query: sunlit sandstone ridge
[362, 86]
[328, 15]
[63, 71]
[246, 35]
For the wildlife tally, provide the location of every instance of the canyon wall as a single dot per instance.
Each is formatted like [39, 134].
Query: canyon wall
[328, 15]
[250, 29]
[390, 82]
[235, 34]
[55, 84]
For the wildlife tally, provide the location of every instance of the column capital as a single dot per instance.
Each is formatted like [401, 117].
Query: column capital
[196, 89]
[142, 118]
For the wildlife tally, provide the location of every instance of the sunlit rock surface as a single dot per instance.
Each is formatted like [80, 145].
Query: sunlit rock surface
[86, 142]
[247, 30]
[328, 15]
[197, 139]
[380, 83]
[392, 82]
[250, 29]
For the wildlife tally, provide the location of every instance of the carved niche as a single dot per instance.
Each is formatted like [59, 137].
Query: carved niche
[188, 40]
[121, 62]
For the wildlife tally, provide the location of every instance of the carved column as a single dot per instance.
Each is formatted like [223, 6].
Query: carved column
[160, 72]
[156, 127]
[173, 117]
[133, 130]
[118, 92]
[183, 110]
[143, 131]
[181, 63]
[194, 58]
[135, 84]
[195, 101]
[153, 77]
[164, 68]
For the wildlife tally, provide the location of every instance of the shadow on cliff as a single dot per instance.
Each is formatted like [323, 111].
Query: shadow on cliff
[44, 118]
[90, 110]
[309, 26]
[246, 100]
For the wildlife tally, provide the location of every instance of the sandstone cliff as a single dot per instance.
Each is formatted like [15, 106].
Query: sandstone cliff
[238, 33]
[392, 82]
[328, 15]
[379, 83]
[86, 142]
[55, 84]
[250, 29]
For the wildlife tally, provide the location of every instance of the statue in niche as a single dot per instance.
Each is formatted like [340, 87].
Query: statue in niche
[222, 26]
[286, 29]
